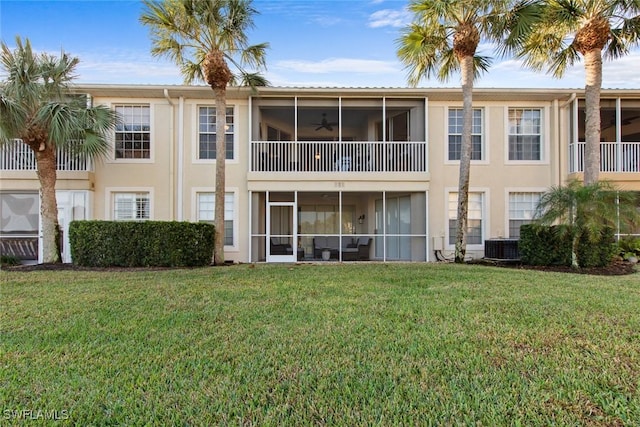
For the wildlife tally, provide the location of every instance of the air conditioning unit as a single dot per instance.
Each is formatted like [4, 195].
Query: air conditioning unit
[501, 249]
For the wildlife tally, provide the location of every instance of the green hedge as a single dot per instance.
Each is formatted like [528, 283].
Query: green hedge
[544, 245]
[140, 244]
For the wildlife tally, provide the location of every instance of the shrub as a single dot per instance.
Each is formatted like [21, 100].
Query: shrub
[9, 260]
[551, 245]
[140, 244]
[540, 245]
[628, 247]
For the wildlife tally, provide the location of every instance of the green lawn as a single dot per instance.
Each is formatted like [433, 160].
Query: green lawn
[357, 344]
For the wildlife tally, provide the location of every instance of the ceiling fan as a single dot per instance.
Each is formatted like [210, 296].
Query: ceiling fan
[324, 123]
[626, 122]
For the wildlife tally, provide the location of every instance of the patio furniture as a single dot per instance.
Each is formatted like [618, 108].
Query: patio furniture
[278, 248]
[320, 243]
[358, 251]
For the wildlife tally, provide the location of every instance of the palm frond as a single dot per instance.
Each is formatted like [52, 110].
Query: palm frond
[512, 27]
[254, 56]
[421, 49]
[587, 208]
[623, 38]
[252, 80]
[191, 72]
[13, 118]
[448, 66]
[186, 30]
[481, 64]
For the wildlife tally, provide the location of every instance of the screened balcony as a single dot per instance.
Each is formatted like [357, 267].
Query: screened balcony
[614, 157]
[17, 156]
[338, 135]
[620, 133]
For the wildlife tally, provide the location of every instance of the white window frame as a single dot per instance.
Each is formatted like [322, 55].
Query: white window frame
[195, 212]
[483, 136]
[544, 135]
[195, 146]
[484, 212]
[110, 193]
[517, 190]
[151, 158]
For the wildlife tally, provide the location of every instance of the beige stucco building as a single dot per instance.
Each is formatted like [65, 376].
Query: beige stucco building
[356, 173]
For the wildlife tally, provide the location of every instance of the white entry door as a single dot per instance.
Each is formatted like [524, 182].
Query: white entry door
[282, 223]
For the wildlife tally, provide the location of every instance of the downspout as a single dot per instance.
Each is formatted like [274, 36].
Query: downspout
[572, 132]
[180, 186]
[171, 155]
[558, 140]
[569, 101]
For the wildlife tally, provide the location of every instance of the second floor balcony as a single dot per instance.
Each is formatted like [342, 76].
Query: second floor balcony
[328, 156]
[338, 133]
[17, 156]
[615, 157]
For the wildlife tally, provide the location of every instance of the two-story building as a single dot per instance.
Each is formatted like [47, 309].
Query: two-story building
[317, 172]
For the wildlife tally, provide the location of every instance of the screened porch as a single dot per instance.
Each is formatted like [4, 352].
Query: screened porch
[325, 134]
[338, 226]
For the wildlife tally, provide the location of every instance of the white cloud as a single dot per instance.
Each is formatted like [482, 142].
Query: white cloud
[622, 72]
[390, 18]
[337, 65]
[128, 67]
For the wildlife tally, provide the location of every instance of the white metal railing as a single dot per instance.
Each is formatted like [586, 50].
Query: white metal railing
[329, 156]
[614, 157]
[17, 156]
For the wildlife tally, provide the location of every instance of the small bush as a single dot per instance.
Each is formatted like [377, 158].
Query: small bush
[628, 247]
[9, 260]
[544, 245]
[140, 244]
[540, 245]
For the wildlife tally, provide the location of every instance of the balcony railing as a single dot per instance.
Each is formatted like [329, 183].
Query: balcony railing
[330, 156]
[17, 156]
[614, 157]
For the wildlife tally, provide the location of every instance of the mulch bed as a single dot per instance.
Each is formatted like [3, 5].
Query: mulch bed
[616, 268]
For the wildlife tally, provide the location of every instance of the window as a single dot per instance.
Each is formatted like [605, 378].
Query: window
[20, 213]
[206, 204]
[474, 218]
[207, 133]
[133, 138]
[525, 134]
[131, 206]
[455, 134]
[522, 208]
[397, 227]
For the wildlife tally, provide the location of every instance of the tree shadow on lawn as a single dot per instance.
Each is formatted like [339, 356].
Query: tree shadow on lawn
[616, 268]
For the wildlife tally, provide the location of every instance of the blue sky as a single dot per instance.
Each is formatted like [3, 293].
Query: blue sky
[314, 43]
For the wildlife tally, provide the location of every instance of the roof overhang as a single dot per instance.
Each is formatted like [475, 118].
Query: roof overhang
[435, 94]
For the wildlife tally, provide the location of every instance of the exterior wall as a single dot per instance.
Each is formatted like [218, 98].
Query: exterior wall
[495, 175]
[153, 174]
[199, 175]
[173, 176]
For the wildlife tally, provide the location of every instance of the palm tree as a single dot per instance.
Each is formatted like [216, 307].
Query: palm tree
[203, 37]
[442, 40]
[37, 109]
[588, 28]
[587, 210]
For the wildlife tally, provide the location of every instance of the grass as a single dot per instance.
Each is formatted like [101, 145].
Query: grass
[352, 344]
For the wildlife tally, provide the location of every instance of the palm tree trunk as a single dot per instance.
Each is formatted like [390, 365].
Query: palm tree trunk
[593, 71]
[221, 155]
[465, 158]
[46, 161]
